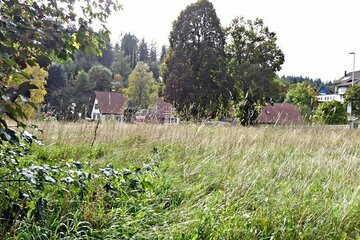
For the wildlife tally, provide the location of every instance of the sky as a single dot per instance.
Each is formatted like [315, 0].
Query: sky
[316, 36]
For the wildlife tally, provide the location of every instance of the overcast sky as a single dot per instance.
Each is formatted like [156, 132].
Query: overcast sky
[316, 36]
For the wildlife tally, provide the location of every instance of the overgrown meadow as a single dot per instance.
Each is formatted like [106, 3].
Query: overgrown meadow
[122, 181]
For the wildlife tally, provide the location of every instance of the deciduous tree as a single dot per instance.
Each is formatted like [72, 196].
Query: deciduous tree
[352, 96]
[142, 86]
[34, 33]
[56, 77]
[303, 96]
[253, 59]
[194, 73]
[100, 77]
[121, 66]
[37, 96]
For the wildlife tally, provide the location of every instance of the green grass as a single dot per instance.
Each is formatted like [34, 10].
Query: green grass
[209, 183]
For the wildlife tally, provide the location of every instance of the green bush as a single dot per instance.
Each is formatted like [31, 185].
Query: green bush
[331, 113]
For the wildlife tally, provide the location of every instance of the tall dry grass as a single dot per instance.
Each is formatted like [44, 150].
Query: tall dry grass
[236, 182]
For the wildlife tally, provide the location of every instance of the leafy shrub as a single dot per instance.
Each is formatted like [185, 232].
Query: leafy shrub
[331, 113]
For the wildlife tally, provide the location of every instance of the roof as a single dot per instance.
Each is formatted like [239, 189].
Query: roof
[110, 102]
[346, 80]
[161, 105]
[325, 91]
[280, 113]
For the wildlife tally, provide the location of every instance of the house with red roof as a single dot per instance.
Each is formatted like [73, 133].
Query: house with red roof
[280, 113]
[108, 105]
[113, 105]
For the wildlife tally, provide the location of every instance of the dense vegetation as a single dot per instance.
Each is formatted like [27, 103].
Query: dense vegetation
[208, 71]
[191, 182]
[160, 182]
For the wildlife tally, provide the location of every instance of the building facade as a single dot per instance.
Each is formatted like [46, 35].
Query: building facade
[341, 86]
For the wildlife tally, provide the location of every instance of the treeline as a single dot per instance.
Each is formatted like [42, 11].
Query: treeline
[71, 84]
[317, 82]
[229, 72]
[207, 72]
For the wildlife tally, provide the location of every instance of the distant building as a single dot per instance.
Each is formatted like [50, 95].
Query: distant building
[341, 86]
[280, 113]
[113, 105]
[165, 111]
[108, 105]
[162, 112]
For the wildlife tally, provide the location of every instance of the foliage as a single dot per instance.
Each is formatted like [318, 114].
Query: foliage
[107, 55]
[153, 62]
[317, 83]
[352, 96]
[38, 78]
[56, 77]
[55, 199]
[303, 96]
[70, 68]
[163, 53]
[254, 58]
[142, 87]
[129, 45]
[194, 67]
[34, 33]
[101, 78]
[143, 51]
[82, 92]
[278, 89]
[331, 113]
[121, 66]
[195, 182]
[85, 61]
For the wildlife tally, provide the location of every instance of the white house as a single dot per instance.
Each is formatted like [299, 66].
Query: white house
[108, 105]
[341, 85]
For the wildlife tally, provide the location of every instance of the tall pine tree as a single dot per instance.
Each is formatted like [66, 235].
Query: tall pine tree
[143, 51]
[129, 45]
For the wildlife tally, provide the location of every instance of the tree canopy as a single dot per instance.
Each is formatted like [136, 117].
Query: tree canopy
[101, 78]
[254, 58]
[331, 113]
[352, 96]
[33, 32]
[303, 96]
[194, 66]
[121, 66]
[142, 87]
[129, 45]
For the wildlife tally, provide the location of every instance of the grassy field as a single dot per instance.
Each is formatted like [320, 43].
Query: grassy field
[201, 182]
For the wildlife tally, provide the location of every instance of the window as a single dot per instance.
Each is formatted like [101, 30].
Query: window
[96, 106]
[96, 116]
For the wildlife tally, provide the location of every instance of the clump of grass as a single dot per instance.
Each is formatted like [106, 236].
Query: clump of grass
[218, 182]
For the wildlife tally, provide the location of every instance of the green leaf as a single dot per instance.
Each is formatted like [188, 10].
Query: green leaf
[43, 61]
[50, 179]
[24, 89]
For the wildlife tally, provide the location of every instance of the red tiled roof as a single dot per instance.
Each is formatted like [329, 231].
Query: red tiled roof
[280, 113]
[110, 102]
